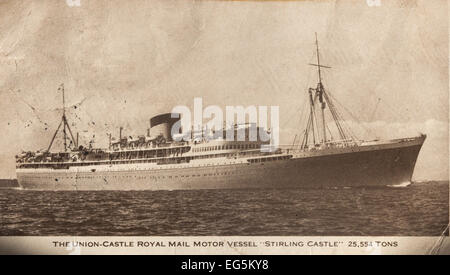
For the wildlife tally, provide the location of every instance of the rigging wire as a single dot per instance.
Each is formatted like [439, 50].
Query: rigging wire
[352, 116]
[303, 113]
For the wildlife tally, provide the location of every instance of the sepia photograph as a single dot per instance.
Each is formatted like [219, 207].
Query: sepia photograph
[290, 127]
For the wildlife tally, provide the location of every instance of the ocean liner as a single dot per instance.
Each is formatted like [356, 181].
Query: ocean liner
[156, 161]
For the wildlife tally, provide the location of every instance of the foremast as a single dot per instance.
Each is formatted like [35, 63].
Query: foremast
[315, 130]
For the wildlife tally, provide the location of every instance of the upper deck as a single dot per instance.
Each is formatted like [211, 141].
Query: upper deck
[216, 151]
[170, 153]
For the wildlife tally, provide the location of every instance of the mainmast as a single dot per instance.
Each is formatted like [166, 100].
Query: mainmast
[65, 125]
[64, 117]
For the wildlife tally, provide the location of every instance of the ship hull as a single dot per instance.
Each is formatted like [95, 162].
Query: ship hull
[377, 166]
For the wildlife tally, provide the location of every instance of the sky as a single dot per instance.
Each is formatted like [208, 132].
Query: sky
[123, 62]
